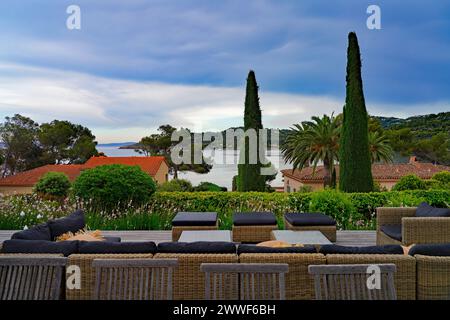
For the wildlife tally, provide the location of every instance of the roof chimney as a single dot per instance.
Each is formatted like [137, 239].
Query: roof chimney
[412, 159]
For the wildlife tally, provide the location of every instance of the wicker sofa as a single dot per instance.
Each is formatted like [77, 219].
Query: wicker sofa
[414, 230]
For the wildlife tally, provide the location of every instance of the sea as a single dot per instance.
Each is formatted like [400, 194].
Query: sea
[224, 164]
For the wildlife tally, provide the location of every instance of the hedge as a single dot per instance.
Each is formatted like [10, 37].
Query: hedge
[352, 211]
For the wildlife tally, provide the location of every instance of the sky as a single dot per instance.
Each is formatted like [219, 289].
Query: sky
[135, 64]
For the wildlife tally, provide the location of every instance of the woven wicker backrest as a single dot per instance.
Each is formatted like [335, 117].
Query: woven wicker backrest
[134, 279]
[350, 282]
[246, 281]
[31, 278]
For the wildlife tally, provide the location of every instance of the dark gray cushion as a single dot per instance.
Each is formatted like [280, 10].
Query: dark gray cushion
[38, 232]
[249, 248]
[72, 223]
[40, 246]
[394, 231]
[309, 219]
[112, 239]
[116, 247]
[335, 249]
[254, 218]
[195, 219]
[425, 210]
[438, 249]
[197, 247]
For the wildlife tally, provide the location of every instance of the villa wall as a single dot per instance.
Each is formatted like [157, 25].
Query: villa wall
[162, 175]
[10, 190]
[293, 185]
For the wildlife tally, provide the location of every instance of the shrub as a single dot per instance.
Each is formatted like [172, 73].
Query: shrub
[305, 189]
[114, 186]
[176, 185]
[53, 184]
[410, 182]
[351, 210]
[440, 180]
[336, 205]
[208, 186]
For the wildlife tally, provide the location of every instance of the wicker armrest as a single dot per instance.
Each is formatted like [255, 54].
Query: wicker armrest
[416, 230]
[388, 215]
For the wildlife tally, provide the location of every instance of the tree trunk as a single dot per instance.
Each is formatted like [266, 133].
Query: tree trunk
[327, 181]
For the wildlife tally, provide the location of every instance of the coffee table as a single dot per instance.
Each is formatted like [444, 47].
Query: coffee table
[300, 237]
[205, 235]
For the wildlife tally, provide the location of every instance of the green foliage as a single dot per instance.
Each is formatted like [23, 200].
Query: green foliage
[208, 186]
[21, 149]
[65, 142]
[305, 189]
[440, 180]
[425, 136]
[351, 210]
[410, 182]
[176, 185]
[55, 184]
[443, 177]
[354, 156]
[337, 205]
[249, 175]
[314, 141]
[113, 187]
[161, 144]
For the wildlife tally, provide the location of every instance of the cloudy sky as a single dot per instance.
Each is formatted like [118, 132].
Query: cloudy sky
[136, 64]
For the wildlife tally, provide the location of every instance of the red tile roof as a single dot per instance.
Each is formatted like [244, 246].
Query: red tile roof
[30, 177]
[148, 164]
[380, 172]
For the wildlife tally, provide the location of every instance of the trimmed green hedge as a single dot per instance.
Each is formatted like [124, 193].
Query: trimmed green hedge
[351, 211]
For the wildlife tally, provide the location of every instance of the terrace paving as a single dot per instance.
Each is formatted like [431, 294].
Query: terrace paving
[344, 238]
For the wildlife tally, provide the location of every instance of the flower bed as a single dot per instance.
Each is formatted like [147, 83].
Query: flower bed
[352, 211]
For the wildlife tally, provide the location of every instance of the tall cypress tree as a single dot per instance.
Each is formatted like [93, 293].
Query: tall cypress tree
[355, 174]
[249, 174]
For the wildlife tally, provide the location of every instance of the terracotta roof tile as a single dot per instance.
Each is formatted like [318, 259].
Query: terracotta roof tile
[380, 172]
[30, 177]
[147, 164]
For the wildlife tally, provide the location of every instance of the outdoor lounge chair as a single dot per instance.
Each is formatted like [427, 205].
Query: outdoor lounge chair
[405, 226]
[189, 221]
[349, 282]
[246, 281]
[311, 222]
[134, 279]
[26, 277]
[253, 227]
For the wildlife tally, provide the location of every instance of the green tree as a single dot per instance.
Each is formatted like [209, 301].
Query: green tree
[114, 187]
[249, 174]
[161, 144]
[21, 150]
[436, 149]
[176, 185]
[379, 147]
[313, 141]
[410, 182]
[65, 142]
[355, 174]
[54, 184]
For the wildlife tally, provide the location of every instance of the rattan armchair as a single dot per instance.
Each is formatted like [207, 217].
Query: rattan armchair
[415, 230]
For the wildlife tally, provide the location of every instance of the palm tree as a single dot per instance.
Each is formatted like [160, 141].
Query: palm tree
[379, 147]
[318, 140]
[313, 141]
